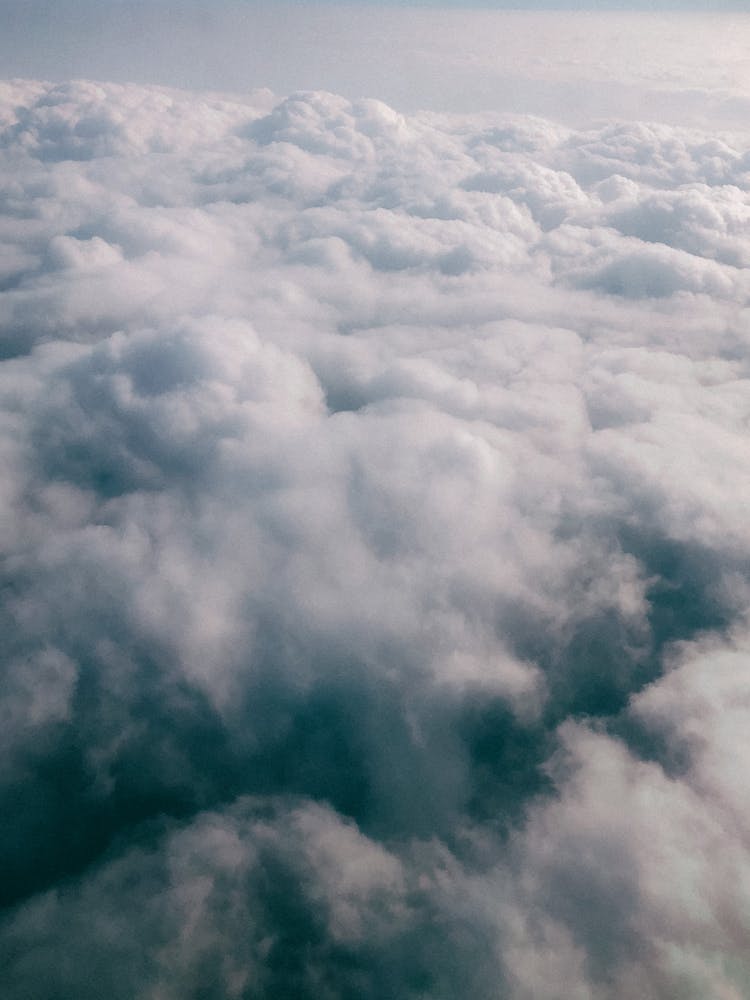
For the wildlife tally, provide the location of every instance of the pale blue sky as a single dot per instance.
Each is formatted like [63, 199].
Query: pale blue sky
[569, 64]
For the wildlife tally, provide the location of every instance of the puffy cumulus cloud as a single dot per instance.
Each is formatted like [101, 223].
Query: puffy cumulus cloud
[374, 551]
[638, 872]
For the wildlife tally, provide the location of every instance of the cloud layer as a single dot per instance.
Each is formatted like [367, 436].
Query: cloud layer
[374, 552]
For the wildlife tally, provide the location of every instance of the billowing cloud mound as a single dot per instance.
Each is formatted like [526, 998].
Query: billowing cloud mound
[374, 553]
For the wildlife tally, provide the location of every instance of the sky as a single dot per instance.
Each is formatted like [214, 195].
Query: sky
[572, 65]
[374, 550]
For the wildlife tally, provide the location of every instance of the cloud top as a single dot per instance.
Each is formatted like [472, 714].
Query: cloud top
[374, 551]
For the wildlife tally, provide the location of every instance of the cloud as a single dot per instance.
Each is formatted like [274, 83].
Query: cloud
[374, 551]
[641, 871]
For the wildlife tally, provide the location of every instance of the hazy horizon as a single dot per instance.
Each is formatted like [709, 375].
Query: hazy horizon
[573, 66]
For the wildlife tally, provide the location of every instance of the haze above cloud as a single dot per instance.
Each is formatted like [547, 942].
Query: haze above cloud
[686, 68]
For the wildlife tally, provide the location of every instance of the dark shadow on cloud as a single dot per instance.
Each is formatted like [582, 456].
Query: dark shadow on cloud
[173, 759]
[506, 763]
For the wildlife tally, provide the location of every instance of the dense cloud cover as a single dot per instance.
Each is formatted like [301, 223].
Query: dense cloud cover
[374, 552]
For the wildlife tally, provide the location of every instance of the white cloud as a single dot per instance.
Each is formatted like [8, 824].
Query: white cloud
[362, 472]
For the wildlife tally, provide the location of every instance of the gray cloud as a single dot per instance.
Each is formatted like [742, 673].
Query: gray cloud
[374, 551]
